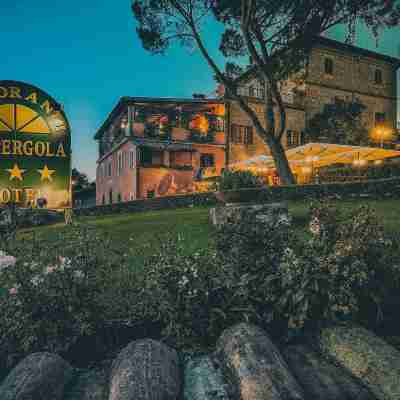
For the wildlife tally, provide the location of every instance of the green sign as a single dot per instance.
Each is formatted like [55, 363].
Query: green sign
[35, 148]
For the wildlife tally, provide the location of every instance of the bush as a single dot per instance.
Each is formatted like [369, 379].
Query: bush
[258, 272]
[371, 171]
[344, 268]
[234, 180]
[193, 296]
[52, 293]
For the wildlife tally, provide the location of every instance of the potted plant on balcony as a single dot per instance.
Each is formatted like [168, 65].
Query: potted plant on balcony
[239, 187]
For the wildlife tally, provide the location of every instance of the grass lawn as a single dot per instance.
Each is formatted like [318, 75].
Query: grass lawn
[129, 231]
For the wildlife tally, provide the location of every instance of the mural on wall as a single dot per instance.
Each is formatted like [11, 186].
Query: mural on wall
[35, 148]
[175, 183]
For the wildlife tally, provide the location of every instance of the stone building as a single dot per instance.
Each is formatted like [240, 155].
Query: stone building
[334, 70]
[158, 147]
[151, 147]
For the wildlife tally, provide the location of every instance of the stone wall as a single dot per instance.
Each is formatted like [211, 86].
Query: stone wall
[159, 203]
[353, 75]
[295, 121]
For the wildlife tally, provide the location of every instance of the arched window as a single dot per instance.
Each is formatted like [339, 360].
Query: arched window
[328, 66]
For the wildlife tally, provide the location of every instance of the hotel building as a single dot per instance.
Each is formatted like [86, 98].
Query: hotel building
[155, 147]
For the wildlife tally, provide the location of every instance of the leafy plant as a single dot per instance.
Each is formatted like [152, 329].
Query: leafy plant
[345, 268]
[233, 180]
[52, 294]
[340, 122]
[192, 296]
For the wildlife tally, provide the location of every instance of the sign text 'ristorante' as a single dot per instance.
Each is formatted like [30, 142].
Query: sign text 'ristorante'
[35, 147]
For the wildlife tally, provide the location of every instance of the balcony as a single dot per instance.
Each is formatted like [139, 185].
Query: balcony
[164, 166]
[188, 122]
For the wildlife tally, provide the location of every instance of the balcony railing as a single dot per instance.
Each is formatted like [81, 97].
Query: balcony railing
[164, 166]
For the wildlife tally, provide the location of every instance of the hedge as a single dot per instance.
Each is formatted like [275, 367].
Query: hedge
[377, 188]
[158, 203]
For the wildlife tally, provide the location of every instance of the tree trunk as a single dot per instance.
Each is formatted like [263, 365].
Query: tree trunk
[281, 161]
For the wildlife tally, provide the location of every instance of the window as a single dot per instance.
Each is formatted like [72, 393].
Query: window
[328, 66]
[252, 91]
[151, 194]
[109, 168]
[248, 135]
[110, 197]
[207, 160]
[219, 124]
[378, 77]
[293, 138]
[242, 134]
[131, 159]
[119, 198]
[289, 138]
[379, 118]
[120, 163]
[235, 134]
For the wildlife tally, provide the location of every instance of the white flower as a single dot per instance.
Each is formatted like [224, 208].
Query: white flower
[315, 226]
[36, 280]
[14, 290]
[65, 263]
[288, 252]
[184, 281]
[50, 269]
[6, 261]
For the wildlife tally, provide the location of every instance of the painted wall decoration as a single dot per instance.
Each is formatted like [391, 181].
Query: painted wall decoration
[35, 148]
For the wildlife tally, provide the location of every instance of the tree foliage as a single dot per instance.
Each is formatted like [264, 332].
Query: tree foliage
[340, 122]
[81, 180]
[276, 34]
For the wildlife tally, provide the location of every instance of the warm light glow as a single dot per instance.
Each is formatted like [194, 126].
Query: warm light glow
[311, 159]
[306, 170]
[381, 134]
[220, 110]
[200, 122]
[378, 162]
[359, 163]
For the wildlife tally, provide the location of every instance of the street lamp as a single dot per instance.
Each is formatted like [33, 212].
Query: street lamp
[382, 133]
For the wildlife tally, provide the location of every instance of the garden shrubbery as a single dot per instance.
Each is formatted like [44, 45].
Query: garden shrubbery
[52, 291]
[341, 173]
[286, 280]
[234, 180]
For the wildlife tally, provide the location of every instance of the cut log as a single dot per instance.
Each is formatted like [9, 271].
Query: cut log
[40, 376]
[254, 367]
[89, 385]
[366, 356]
[145, 370]
[203, 381]
[322, 379]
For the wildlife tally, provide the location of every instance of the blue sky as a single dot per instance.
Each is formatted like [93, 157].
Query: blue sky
[86, 54]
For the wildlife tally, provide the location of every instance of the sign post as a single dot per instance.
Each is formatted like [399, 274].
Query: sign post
[35, 149]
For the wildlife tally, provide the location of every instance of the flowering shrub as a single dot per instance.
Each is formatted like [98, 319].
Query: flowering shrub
[193, 296]
[345, 267]
[51, 295]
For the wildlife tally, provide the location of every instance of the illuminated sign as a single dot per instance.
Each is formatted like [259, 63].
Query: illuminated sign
[35, 148]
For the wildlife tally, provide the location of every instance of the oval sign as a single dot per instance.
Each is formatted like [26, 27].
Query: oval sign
[35, 148]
